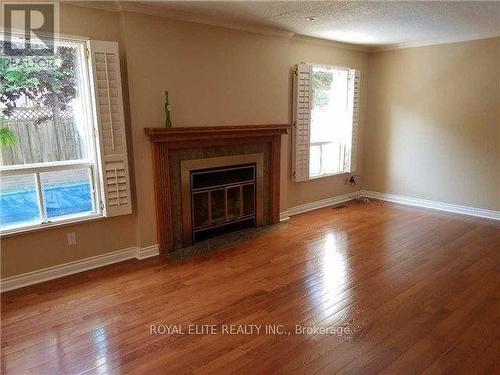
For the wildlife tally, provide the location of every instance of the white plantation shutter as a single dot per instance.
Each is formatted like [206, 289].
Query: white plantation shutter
[108, 110]
[302, 93]
[355, 86]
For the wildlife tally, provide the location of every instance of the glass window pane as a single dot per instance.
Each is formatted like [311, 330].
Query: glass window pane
[19, 204]
[67, 192]
[329, 115]
[44, 111]
[332, 154]
[315, 160]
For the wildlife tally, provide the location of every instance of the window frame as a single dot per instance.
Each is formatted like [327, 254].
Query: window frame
[350, 72]
[92, 152]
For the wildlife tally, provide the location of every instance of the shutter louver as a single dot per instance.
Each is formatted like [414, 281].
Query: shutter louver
[355, 119]
[302, 121]
[106, 85]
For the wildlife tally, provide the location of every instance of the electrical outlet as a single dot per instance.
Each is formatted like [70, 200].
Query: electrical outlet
[71, 239]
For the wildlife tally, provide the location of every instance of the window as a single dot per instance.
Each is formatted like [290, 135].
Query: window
[62, 145]
[325, 120]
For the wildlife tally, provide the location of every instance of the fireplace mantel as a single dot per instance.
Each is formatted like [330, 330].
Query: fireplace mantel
[214, 132]
[166, 140]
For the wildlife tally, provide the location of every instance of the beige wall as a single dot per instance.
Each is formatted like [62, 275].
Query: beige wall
[215, 76]
[433, 125]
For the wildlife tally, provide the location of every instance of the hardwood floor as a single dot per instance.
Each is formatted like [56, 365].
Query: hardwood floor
[410, 291]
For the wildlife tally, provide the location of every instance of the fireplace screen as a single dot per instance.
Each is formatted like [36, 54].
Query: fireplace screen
[222, 200]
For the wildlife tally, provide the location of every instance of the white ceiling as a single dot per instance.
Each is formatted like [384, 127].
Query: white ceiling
[369, 23]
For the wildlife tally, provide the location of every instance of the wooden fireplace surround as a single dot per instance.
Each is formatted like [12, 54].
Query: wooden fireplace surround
[163, 140]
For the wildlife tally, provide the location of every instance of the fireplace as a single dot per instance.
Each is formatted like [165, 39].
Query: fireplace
[222, 201]
[221, 195]
[212, 180]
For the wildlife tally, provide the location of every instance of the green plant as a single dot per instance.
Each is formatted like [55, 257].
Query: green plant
[7, 136]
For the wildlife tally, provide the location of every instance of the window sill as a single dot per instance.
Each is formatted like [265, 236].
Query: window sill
[328, 175]
[53, 224]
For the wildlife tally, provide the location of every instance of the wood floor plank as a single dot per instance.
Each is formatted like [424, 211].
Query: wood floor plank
[418, 289]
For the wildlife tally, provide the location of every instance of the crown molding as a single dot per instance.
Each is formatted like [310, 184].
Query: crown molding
[434, 42]
[332, 43]
[142, 8]
[110, 6]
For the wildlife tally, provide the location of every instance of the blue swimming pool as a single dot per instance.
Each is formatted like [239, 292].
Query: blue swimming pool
[21, 206]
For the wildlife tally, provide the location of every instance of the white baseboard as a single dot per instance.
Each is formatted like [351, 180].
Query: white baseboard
[284, 216]
[318, 204]
[148, 252]
[35, 277]
[424, 203]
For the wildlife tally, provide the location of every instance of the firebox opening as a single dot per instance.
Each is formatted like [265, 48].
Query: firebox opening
[222, 200]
